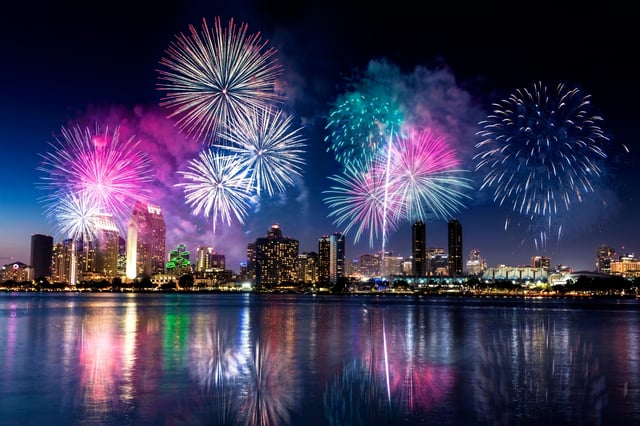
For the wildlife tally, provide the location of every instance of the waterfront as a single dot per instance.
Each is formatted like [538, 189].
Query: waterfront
[137, 359]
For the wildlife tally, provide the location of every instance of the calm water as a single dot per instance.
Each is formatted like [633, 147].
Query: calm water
[211, 359]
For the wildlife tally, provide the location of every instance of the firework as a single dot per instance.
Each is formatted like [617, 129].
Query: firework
[359, 202]
[217, 186]
[217, 75]
[268, 148]
[424, 175]
[541, 150]
[98, 167]
[75, 216]
[360, 125]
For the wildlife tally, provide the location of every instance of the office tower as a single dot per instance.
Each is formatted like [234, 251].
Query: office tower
[455, 248]
[336, 257]
[604, 256]
[276, 259]
[208, 260]
[419, 248]
[476, 265]
[41, 255]
[541, 262]
[250, 273]
[324, 259]
[308, 267]
[106, 247]
[146, 239]
[369, 265]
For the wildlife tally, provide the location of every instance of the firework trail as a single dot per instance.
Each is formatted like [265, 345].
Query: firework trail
[99, 167]
[424, 175]
[217, 186]
[217, 76]
[541, 151]
[267, 147]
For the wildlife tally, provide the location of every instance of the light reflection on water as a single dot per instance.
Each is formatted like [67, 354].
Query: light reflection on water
[177, 359]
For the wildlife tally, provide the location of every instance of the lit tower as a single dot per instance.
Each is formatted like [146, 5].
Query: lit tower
[146, 240]
[336, 257]
[41, 255]
[419, 248]
[455, 248]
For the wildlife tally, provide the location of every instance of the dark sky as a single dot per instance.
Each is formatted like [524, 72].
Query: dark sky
[65, 61]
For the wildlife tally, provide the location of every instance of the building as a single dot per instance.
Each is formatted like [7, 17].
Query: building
[419, 249]
[324, 259]
[604, 256]
[276, 259]
[336, 257]
[455, 248]
[16, 271]
[41, 255]
[308, 267]
[541, 262]
[476, 265]
[146, 240]
[179, 262]
[106, 247]
[61, 261]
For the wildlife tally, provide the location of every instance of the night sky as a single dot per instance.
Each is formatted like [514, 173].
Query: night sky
[82, 62]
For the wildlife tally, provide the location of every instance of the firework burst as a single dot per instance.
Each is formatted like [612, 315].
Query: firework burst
[268, 148]
[541, 150]
[360, 126]
[99, 167]
[217, 75]
[359, 200]
[425, 177]
[217, 185]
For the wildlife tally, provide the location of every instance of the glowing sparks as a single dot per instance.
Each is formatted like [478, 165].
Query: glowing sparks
[99, 168]
[217, 76]
[268, 148]
[217, 186]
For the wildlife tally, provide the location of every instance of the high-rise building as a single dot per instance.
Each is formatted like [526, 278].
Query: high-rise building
[276, 259]
[324, 259]
[208, 260]
[61, 267]
[455, 248]
[308, 267]
[476, 265]
[146, 240]
[604, 256]
[419, 248]
[41, 255]
[106, 246]
[336, 257]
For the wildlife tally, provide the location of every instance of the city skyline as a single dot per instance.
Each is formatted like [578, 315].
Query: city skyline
[54, 78]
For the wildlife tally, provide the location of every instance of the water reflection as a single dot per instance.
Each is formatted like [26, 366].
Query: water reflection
[117, 359]
[540, 369]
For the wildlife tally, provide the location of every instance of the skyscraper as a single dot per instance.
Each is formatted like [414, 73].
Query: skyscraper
[336, 257]
[41, 255]
[276, 259]
[146, 240]
[324, 259]
[106, 246]
[455, 248]
[419, 248]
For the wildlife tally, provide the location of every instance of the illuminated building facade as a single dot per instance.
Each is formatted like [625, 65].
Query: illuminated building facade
[604, 257]
[324, 259]
[541, 262]
[336, 257]
[146, 240]
[276, 259]
[105, 247]
[308, 267]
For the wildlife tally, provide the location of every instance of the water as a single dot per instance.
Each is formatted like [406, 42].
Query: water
[228, 359]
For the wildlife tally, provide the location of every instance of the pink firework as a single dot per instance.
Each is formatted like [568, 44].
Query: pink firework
[359, 202]
[424, 176]
[110, 172]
